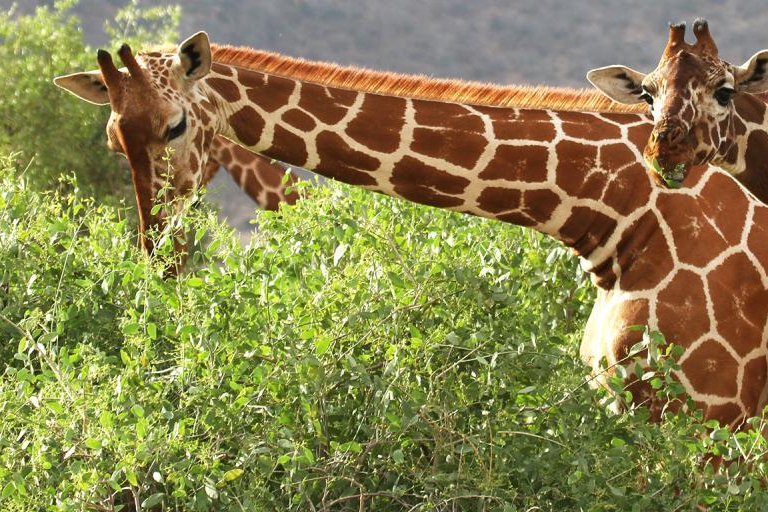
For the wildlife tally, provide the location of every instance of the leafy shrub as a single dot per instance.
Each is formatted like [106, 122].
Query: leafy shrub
[362, 352]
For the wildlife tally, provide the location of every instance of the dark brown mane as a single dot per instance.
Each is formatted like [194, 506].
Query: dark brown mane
[415, 86]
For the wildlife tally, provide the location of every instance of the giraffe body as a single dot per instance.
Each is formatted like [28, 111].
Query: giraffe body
[691, 262]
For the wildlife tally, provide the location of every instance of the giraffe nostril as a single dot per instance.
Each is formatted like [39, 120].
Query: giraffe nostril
[676, 135]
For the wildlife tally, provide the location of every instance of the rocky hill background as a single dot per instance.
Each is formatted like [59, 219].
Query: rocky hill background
[543, 41]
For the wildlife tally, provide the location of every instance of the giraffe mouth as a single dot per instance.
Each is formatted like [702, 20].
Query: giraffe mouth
[672, 177]
[669, 168]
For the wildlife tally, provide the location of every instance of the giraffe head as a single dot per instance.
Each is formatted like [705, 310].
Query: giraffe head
[160, 120]
[691, 96]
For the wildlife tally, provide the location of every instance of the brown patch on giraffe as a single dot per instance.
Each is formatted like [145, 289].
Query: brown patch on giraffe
[426, 195]
[540, 204]
[586, 229]
[724, 203]
[588, 127]
[639, 135]
[527, 125]
[227, 89]
[758, 234]
[628, 189]
[339, 161]
[712, 370]
[755, 374]
[616, 156]
[575, 161]
[193, 162]
[682, 309]
[298, 119]
[518, 163]
[236, 172]
[273, 200]
[288, 147]
[379, 123]
[412, 172]
[454, 146]
[695, 238]
[267, 91]
[318, 101]
[222, 69]
[447, 115]
[740, 302]
[727, 414]
[603, 275]
[248, 125]
[496, 199]
[643, 255]
[521, 130]
[752, 109]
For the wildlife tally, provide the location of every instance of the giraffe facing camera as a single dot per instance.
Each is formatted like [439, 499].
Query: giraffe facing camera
[701, 105]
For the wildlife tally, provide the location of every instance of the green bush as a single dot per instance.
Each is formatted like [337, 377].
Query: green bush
[361, 353]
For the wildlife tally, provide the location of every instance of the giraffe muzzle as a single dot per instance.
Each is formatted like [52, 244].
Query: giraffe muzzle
[669, 135]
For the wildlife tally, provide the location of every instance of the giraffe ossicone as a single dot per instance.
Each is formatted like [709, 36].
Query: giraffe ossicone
[690, 262]
[704, 109]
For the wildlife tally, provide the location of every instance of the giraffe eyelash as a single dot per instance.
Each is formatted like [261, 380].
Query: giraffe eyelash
[176, 131]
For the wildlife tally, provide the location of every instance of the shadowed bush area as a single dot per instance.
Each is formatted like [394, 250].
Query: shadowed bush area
[361, 350]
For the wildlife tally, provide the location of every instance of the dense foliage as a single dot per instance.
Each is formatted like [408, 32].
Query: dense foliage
[362, 352]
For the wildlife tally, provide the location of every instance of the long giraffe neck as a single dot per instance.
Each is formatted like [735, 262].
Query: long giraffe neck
[260, 178]
[691, 262]
[539, 168]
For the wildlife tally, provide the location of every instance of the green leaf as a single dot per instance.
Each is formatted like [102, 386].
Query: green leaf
[152, 331]
[131, 328]
[131, 477]
[137, 411]
[153, 500]
[398, 456]
[232, 474]
[93, 443]
[9, 490]
[321, 345]
[195, 282]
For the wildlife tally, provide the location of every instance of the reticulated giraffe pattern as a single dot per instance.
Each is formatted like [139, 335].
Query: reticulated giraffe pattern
[262, 179]
[692, 262]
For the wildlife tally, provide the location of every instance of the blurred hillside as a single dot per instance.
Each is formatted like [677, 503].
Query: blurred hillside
[542, 41]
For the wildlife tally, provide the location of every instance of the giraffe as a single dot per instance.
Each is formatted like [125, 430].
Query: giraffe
[256, 175]
[259, 177]
[705, 110]
[691, 262]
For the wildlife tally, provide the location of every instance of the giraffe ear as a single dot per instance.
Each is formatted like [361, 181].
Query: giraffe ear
[752, 76]
[619, 83]
[195, 56]
[88, 86]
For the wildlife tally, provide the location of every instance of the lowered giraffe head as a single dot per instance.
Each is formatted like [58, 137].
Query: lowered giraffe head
[692, 95]
[159, 118]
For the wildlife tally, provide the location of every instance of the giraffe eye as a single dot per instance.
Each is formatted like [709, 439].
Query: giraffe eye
[723, 95]
[176, 131]
[646, 97]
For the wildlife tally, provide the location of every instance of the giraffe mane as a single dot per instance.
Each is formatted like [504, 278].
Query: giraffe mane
[420, 86]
